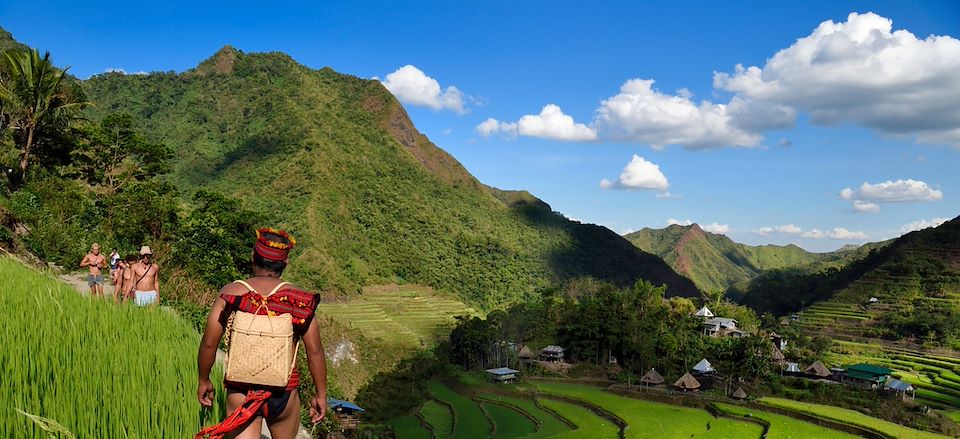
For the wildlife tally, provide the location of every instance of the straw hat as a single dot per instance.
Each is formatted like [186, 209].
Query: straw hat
[145, 250]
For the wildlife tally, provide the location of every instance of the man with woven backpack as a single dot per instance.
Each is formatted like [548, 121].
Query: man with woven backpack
[265, 320]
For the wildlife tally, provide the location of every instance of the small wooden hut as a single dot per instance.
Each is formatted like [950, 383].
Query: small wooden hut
[777, 356]
[652, 378]
[739, 394]
[552, 353]
[687, 382]
[346, 413]
[526, 355]
[503, 374]
[818, 370]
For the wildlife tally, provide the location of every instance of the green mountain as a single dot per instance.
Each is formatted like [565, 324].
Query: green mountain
[336, 160]
[715, 262]
[918, 265]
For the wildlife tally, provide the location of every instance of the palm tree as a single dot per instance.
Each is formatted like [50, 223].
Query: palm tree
[33, 97]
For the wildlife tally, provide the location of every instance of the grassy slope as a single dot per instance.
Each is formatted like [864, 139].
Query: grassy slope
[99, 369]
[469, 419]
[715, 262]
[850, 417]
[784, 427]
[646, 418]
[439, 417]
[335, 159]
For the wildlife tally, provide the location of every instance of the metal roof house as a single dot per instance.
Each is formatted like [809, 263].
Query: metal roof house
[552, 353]
[346, 413]
[792, 368]
[721, 327]
[503, 374]
[866, 376]
[902, 389]
[703, 367]
[704, 312]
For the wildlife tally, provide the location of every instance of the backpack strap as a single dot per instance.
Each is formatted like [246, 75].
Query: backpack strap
[277, 288]
[244, 283]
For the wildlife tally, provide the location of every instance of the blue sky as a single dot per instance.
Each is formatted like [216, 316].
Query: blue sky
[861, 107]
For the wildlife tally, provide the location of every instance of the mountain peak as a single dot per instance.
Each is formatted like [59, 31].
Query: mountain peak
[222, 62]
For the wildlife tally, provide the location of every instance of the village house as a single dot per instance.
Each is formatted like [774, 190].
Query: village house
[703, 368]
[901, 389]
[346, 413]
[552, 354]
[652, 378]
[818, 370]
[721, 327]
[687, 383]
[503, 374]
[866, 376]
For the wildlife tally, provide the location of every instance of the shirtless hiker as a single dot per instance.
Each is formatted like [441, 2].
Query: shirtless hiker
[95, 262]
[146, 282]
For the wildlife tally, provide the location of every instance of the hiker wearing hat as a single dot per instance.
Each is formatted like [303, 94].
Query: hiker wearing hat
[146, 284]
[265, 321]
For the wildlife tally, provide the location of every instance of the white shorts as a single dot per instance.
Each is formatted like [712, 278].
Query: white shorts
[144, 298]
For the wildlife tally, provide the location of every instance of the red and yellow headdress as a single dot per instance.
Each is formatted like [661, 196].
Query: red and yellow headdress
[272, 249]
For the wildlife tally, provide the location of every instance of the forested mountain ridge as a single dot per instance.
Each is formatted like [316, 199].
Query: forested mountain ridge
[335, 159]
[919, 267]
[715, 262]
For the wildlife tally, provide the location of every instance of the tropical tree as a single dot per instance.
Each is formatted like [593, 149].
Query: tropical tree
[113, 154]
[34, 99]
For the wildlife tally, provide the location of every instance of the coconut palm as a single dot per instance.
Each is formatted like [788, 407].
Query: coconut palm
[34, 99]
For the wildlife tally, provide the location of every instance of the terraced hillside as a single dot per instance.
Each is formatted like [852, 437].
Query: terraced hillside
[415, 317]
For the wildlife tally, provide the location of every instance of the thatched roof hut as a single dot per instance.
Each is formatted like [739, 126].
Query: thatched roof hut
[525, 353]
[739, 394]
[687, 382]
[652, 377]
[817, 369]
[777, 355]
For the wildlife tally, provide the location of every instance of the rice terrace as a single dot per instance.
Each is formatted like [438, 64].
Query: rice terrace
[462, 220]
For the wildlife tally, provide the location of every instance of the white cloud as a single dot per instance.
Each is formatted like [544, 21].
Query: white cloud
[893, 192]
[122, 71]
[674, 221]
[838, 233]
[865, 206]
[862, 71]
[638, 174]
[551, 123]
[786, 229]
[716, 228]
[923, 224]
[411, 86]
[785, 143]
[492, 126]
[641, 114]
[668, 196]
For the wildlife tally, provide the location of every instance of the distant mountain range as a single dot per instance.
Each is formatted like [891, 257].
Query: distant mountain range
[715, 262]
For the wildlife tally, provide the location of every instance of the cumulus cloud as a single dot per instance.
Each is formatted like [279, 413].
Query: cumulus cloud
[641, 114]
[674, 221]
[551, 123]
[893, 192]
[411, 86]
[865, 206]
[922, 224]
[786, 229]
[638, 174]
[716, 228]
[862, 71]
[838, 233]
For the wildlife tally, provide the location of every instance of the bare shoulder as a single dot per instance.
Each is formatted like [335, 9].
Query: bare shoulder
[233, 289]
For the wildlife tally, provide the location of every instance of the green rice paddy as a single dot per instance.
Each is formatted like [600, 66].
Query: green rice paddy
[850, 417]
[785, 427]
[408, 427]
[408, 318]
[93, 367]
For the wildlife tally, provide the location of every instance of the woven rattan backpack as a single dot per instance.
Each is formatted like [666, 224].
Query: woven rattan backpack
[260, 348]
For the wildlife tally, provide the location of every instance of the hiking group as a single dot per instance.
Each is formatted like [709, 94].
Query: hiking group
[133, 277]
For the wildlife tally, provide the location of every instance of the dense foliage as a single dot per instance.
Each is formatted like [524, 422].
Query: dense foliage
[595, 321]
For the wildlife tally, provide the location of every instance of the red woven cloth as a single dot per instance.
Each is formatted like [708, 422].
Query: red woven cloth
[301, 305]
[251, 407]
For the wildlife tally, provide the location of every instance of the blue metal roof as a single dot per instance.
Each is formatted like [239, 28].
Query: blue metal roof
[346, 405]
[502, 371]
[899, 385]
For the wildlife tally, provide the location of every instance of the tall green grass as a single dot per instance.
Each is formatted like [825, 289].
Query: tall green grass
[97, 369]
